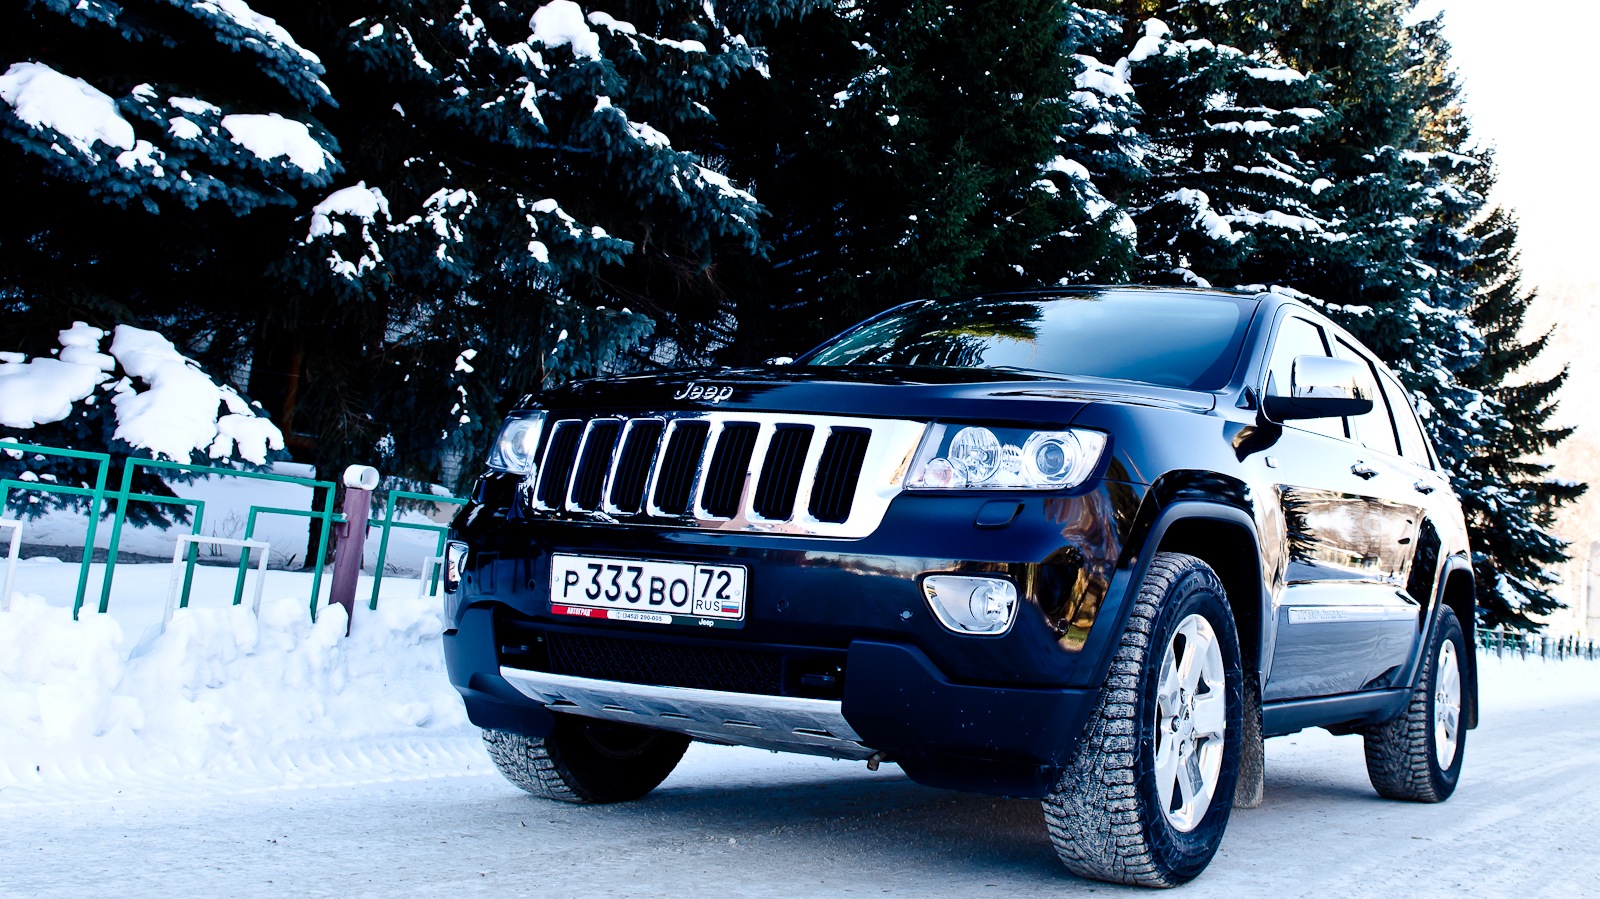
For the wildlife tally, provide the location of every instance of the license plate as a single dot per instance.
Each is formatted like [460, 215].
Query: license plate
[647, 591]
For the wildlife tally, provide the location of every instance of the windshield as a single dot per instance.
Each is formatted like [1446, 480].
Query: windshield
[1169, 339]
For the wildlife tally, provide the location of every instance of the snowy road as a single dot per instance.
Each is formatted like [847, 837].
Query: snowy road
[735, 822]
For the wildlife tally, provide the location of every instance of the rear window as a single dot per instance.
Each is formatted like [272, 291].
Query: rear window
[1188, 341]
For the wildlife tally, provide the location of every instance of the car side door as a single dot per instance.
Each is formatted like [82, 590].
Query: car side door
[1397, 522]
[1343, 544]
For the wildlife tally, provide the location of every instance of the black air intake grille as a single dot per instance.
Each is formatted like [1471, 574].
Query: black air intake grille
[780, 473]
[792, 473]
[675, 481]
[833, 492]
[729, 465]
[666, 665]
[595, 463]
[633, 468]
[558, 463]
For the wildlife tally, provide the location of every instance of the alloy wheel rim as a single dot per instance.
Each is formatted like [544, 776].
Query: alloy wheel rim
[1191, 720]
[1446, 704]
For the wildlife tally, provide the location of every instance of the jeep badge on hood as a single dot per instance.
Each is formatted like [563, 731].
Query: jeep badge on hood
[708, 394]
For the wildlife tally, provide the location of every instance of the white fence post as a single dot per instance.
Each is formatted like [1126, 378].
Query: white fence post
[174, 587]
[429, 564]
[11, 561]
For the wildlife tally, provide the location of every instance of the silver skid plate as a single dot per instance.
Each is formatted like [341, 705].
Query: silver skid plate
[780, 723]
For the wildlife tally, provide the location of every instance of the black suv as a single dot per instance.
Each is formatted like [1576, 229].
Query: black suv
[1088, 546]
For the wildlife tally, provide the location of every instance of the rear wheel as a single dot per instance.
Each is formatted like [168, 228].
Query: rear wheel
[587, 761]
[1148, 794]
[1417, 756]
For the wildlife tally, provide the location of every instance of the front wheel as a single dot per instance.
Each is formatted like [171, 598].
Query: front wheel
[1417, 756]
[1147, 796]
[585, 760]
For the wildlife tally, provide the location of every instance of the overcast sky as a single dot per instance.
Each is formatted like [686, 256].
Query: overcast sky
[1529, 67]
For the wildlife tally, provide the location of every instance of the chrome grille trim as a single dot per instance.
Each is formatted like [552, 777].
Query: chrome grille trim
[606, 505]
[543, 470]
[888, 456]
[578, 460]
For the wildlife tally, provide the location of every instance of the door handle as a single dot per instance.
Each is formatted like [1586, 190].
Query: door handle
[1423, 487]
[1363, 471]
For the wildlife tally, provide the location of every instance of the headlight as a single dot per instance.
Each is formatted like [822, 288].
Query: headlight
[953, 457]
[519, 437]
[976, 452]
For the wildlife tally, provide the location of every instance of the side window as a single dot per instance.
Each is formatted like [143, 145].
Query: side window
[1298, 337]
[1413, 443]
[1375, 430]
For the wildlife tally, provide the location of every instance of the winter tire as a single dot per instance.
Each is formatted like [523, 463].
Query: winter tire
[587, 761]
[1417, 755]
[1147, 796]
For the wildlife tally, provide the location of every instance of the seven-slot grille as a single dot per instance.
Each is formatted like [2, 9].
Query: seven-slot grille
[757, 468]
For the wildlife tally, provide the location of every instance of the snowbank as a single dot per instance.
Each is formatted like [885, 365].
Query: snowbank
[217, 691]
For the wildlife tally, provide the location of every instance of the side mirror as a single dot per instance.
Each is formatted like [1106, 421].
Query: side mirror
[1322, 387]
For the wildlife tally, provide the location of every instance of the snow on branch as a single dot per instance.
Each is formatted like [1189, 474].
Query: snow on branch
[271, 136]
[44, 390]
[72, 107]
[180, 412]
[561, 22]
[264, 27]
[359, 203]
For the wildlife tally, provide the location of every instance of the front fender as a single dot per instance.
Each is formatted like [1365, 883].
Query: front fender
[1176, 503]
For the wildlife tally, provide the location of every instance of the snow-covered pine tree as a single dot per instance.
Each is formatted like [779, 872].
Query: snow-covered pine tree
[909, 149]
[1223, 197]
[1469, 256]
[522, 201]
[1411, 263]
[1508, 495]
[1512, 516]
[142, 146]
[518, 199]
[141, 136]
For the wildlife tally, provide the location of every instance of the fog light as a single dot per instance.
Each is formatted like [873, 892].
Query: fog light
[971, 605]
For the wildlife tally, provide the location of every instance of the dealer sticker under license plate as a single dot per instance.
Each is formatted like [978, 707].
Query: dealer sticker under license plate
[647, 591]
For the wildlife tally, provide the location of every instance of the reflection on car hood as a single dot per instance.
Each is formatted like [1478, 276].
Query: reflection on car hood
[910, 392]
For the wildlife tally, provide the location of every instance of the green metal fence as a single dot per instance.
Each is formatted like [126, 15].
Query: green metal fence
[1504, 643]
[324, 517]
[388, 524]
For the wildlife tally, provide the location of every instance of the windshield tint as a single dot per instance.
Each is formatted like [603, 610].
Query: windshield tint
[1169, 339]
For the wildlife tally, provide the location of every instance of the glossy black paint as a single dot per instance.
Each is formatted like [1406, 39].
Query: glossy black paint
[1334, 556]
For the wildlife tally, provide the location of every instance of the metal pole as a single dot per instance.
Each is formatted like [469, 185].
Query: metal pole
[359, 482]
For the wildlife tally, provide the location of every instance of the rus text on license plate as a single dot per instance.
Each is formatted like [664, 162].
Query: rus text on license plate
[647, 591]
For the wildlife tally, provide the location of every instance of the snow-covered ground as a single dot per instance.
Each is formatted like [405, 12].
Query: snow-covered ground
[241, 757]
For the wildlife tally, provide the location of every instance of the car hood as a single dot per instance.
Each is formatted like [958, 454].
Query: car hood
[906, 392]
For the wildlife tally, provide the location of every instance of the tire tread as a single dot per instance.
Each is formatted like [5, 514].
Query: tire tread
[1093, 816]
[1400, 752]
[526, 762]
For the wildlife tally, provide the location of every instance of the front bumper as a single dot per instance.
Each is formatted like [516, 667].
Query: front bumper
[854, 662]
[1008, 741]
